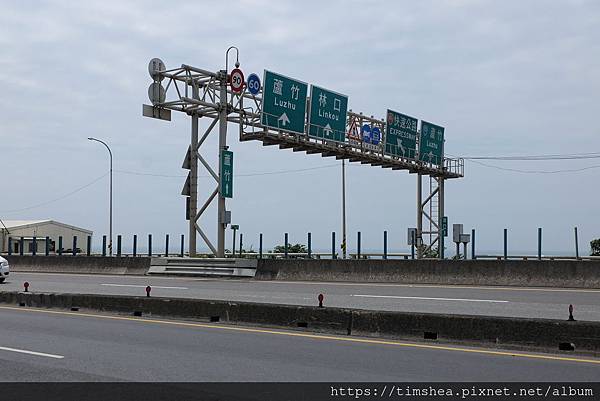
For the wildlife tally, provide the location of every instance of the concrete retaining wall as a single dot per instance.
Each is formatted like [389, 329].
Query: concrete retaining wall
[479, 329]
[545, 273]
[80, 264]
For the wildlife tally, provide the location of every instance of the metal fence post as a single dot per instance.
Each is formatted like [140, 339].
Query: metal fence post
[60, 245]
[182, 250]
[539, 243]
[167, 246]
[119, 245]
[309, 241]
[576, 245]
[233, 243]
[241, 244]
[33, 247]
[47, 246]
[358, 246]
[150, 245]
[412, 246]
[104, 245]
[385, 244]
[89, 245]
[505, 244]
[134, 245]
[74, 248]
[473, 256]
[260, 240]
[285, 245]
[333, 255]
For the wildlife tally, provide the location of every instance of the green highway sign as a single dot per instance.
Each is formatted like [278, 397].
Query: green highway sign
[327, 115]
[445, 226]
[227, 174]
[401, 135]
[431, 143]
[284, 103]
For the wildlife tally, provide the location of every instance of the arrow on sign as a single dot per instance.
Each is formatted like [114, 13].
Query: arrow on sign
[401, 147]
[430, 154]
[327, 130]
[284, 119]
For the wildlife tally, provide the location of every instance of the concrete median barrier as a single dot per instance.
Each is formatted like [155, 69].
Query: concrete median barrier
[534, 273]
[79, 264]
[482, 330]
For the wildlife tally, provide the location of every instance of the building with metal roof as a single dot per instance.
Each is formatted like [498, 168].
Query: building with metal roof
[28, 236]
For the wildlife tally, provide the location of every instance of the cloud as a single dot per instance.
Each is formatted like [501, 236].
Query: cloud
[505, 77]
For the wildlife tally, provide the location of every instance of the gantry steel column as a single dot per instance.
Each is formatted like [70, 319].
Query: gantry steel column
[419, 236]
[222, 224]
[441, 182]
[193, 198]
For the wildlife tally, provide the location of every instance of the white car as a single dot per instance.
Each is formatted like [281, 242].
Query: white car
[4, 269]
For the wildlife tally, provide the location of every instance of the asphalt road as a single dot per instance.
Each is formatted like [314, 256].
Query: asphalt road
[50, 345]
[550, 303]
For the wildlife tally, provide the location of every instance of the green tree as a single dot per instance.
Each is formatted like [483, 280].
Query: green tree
[429, 253]
[595, 245]
[296, 248]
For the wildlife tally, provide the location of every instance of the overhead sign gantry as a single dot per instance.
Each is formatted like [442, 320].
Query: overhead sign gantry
[281, 112]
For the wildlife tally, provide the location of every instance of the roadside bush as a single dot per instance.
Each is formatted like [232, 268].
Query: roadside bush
[296, 248]
[595, 245]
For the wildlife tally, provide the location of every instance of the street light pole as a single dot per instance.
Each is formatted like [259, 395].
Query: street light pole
[110, 225]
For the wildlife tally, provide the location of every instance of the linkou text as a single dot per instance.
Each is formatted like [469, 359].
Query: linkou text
[329, 115]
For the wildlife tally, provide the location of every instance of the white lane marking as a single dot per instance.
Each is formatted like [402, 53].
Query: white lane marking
[430, 299]
[24, 351]
[143, 286]
[272, 297]
[94, 275]
[322, 283]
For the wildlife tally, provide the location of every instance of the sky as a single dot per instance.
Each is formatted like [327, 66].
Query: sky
[504, 79]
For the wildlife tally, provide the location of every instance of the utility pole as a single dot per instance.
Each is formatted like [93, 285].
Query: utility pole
[344, 244]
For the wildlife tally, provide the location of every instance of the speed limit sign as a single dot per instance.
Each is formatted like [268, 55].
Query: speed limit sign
[237, 80]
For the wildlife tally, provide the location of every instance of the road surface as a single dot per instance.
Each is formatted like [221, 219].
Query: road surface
[552, 303]
[53, 345]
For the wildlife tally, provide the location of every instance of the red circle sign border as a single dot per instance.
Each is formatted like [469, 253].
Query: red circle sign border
[241, 85]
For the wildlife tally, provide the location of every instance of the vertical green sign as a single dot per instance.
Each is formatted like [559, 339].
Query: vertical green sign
[445, 226]
[227, 174]
[327, 116]
[284, 103]
[401, 135]
[431, 143]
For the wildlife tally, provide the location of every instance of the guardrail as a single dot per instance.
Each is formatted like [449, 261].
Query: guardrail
[321, 255]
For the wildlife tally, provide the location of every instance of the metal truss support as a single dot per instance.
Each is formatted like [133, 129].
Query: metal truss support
[430, 211]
